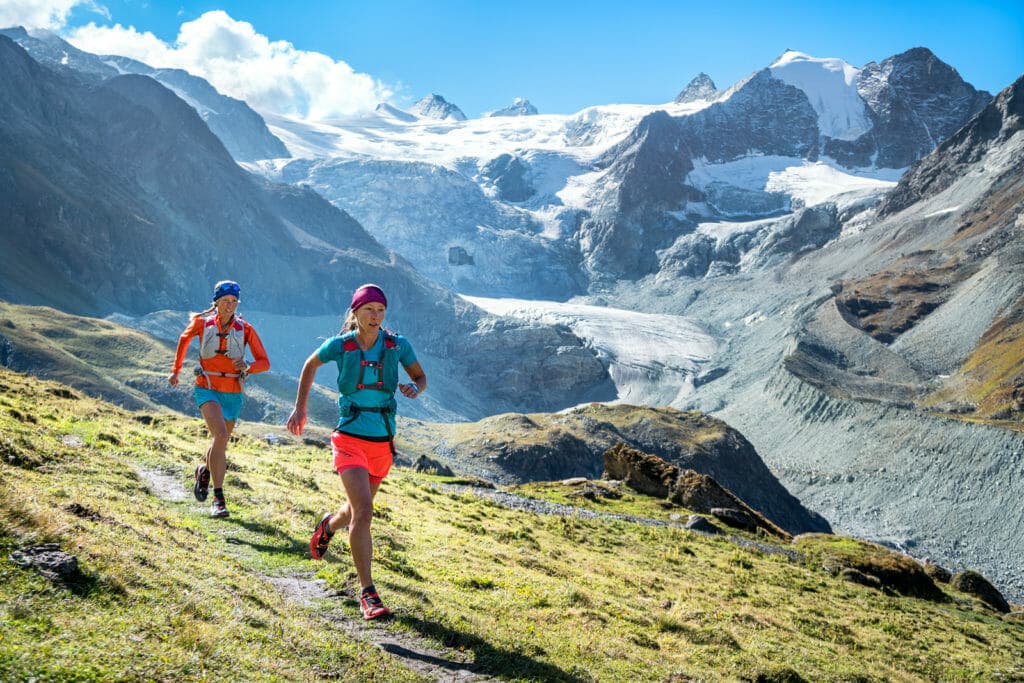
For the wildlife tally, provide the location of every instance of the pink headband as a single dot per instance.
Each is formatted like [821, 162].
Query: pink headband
[368, 294]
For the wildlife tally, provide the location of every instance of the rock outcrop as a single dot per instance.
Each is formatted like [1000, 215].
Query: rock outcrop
[653, 476]
[973, 583]
[517, 448]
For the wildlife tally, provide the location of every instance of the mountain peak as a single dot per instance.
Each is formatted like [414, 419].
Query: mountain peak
[15, 32]
[701, 87]
[433, 106]
[520, 107]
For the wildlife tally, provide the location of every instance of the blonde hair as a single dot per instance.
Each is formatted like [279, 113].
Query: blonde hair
[207, 312]
[350, 323]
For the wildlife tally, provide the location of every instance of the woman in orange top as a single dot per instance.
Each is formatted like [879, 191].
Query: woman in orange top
[223, 337]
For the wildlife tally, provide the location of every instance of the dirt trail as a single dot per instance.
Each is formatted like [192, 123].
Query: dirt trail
[415, 653]
[338, 607]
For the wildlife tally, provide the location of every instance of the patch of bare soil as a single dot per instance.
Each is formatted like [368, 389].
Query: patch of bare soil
[162, 483]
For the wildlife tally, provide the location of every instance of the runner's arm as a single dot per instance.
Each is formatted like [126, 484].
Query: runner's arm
[297, 420]
[183, 341]
[260, 361]
[419, 379]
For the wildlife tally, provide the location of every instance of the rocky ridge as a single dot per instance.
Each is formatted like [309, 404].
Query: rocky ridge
[242, 131]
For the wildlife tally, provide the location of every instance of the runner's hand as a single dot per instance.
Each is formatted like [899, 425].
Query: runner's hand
[173, 379]
[297, 422]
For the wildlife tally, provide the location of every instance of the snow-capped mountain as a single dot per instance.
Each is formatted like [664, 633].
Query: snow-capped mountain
[519, 107]
[434, 106]
[700, 88]
[619, 191]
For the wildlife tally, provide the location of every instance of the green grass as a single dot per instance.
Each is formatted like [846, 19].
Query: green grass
[169, 594]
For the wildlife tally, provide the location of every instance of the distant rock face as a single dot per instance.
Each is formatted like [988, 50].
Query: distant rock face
[508, 174]
[241, 130]
[995, 124]
[700, 88]
[436, 107]
[915, 101]
[647, 200]
[519, 107]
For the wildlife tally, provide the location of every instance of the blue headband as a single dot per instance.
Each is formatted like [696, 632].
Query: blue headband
[226, 288]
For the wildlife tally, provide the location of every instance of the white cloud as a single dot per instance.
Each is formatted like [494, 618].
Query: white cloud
[48, 14]
[238, 61]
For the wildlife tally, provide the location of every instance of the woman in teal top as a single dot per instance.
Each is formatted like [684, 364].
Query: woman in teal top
[367, 357]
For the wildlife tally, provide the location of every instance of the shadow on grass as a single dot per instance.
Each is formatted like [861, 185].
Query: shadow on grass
[257, 527]
[281, 543]
[406, 653]
[290, 548]
[488, 659]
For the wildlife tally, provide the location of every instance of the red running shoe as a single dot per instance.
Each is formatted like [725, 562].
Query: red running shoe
[321, 538]
[372, 606]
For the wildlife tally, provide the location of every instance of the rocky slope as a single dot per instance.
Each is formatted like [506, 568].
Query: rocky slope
[879, 375]
[242, 131]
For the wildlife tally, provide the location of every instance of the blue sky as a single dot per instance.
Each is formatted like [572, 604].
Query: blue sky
[564, 56]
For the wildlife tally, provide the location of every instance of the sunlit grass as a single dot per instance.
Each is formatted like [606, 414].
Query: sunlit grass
[171, 594]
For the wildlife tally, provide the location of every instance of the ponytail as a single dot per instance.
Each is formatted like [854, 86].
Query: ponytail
[349, 324]
[205, 313]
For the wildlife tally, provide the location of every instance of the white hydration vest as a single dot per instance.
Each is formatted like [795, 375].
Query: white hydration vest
[209, 340]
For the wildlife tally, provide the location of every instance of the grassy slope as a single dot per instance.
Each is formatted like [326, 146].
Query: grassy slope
[170, 594]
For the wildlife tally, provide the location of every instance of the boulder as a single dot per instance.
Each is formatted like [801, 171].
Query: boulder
[425, 464]
[49, 560]
[938, 573]
[735, 518]
[701, 524]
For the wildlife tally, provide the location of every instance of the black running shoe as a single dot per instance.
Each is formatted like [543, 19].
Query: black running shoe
[202, 486]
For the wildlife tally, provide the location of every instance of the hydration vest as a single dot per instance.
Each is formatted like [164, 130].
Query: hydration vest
[350, 379]
[209, 346]
[209, 340]
[353, 365]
